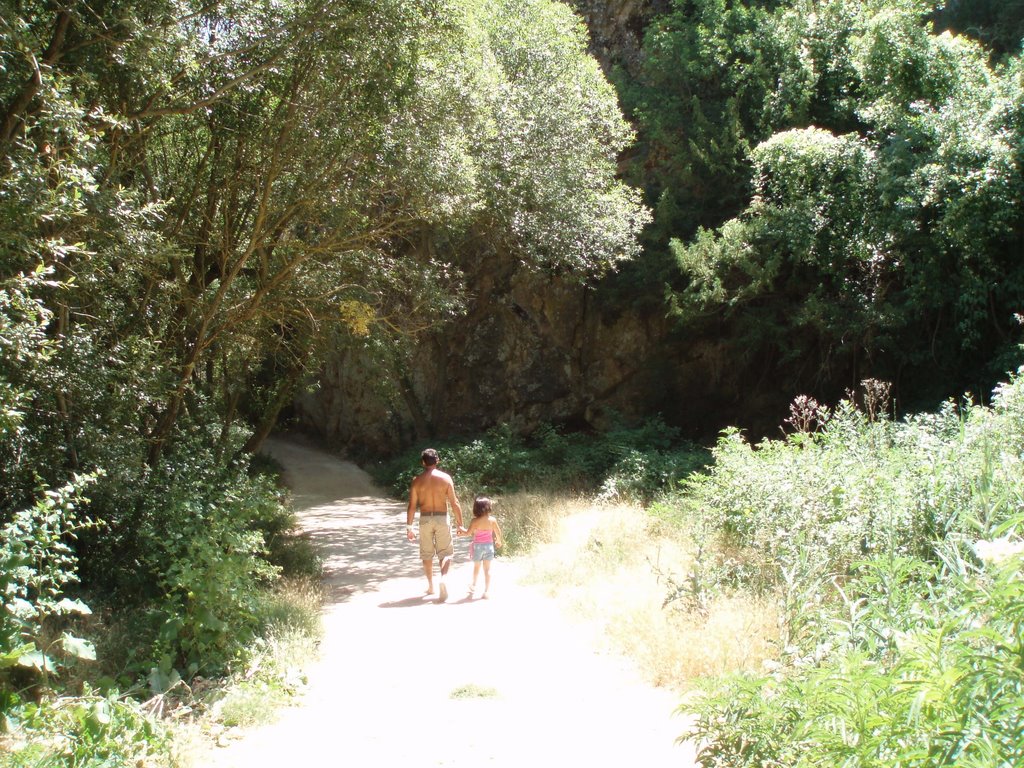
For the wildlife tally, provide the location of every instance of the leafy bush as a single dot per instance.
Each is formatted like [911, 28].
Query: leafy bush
[642, 476]
[37, 564]
[896, 550]
[286, 547]
[90, 731]
[273, 670]
[204, 559]
[935, 679]
[635, 463]
[859, 487]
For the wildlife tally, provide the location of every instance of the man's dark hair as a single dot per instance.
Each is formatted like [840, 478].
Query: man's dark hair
[429, 457]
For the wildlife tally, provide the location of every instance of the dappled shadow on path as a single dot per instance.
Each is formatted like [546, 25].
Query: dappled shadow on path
[550, 684]
[362, 542]
[361, 538]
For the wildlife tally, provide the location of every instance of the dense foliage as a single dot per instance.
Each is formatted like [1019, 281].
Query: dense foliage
[837, 188]
[626, 463]
[896, 549]
[196, 200]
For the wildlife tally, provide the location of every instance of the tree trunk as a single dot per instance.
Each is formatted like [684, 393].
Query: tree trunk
[269, 419]
[12, 118]
[62, 401]
[170, 415]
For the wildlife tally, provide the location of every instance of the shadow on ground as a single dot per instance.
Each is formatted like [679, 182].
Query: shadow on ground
[381, 691]
[361, 538]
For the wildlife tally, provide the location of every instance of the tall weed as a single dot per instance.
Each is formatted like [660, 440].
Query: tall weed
[38, 566]
[89, 731]
[897, 550]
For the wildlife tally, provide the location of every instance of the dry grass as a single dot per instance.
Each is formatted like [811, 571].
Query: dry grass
[529, 519]
[474, 691]
[609, 565]
[674, 648]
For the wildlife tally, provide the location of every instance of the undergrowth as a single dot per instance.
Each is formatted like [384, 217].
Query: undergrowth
[894, 552]
[613, 565]
[635, 463]
[225, 601]
[848, 595]
[106, 727]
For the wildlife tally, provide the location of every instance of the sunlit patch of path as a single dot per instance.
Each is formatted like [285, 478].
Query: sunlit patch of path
[391, 659]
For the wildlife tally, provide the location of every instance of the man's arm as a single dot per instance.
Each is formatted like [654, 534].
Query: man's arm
[454, 501]
[410, 513]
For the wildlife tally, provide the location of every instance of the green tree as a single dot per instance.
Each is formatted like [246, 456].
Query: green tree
[882, 241]
[718, 77]
[549, 159]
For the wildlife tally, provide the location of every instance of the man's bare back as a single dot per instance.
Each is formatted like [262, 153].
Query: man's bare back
[431, 491]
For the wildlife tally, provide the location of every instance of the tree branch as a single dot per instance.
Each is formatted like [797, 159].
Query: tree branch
[11, 120]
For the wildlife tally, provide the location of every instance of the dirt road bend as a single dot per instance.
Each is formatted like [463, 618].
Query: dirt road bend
[385, 690]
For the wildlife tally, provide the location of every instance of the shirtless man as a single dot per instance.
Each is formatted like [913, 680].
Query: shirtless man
[431, 492]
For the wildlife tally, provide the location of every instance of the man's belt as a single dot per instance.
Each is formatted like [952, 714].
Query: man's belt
[431, 514]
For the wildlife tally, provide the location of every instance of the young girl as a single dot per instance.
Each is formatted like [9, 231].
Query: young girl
[486, 535]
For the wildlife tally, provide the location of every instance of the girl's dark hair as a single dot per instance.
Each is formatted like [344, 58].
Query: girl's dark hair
[481, 506]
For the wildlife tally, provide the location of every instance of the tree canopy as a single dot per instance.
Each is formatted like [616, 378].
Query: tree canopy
[840, 184]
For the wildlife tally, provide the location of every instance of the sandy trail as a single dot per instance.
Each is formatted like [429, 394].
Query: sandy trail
[381, 693]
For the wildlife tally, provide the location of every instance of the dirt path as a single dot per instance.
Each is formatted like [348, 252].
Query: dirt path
[391, 658]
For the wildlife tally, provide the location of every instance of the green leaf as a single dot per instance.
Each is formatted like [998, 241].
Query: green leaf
[73, 606]
[79, 648]
[13, 657]
[161, 681]
[38, 660]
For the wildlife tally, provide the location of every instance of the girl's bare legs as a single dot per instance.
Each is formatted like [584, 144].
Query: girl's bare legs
[487, 577]
[476, 573]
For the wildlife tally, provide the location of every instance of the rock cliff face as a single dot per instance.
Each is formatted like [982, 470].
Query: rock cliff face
[616, 27]
[531, 348]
